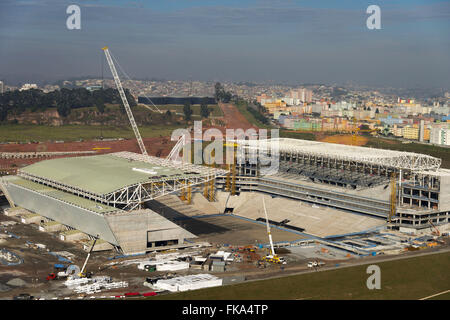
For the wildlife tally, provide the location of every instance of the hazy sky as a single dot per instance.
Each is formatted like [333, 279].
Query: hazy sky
[305, 41]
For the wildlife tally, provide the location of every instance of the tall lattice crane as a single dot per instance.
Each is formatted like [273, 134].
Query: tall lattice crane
[125, 101]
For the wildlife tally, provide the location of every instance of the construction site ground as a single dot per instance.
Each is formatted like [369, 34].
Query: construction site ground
[348, 281]
[317, 221]
[240, 232]
[38, 263]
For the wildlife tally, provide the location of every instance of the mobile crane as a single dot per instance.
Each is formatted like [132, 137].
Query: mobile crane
[273, 257]
[437, 232]
[82, 274]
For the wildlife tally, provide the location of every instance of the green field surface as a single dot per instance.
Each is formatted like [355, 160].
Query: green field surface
[297, 135]
[250, 117]
[26, 133]
[404, 279]
[216, 111]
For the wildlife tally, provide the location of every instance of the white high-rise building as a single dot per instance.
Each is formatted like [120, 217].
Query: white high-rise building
[305, 95]
[2, 89]
[421, 130]
[439, 135]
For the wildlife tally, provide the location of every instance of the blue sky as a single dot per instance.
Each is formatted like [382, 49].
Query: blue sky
[303, 41]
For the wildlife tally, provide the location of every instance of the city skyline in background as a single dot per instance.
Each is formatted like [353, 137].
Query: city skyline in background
[279, 41]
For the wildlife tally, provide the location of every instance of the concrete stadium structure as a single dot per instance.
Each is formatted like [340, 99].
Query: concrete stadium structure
[105, 195]
[350, 178]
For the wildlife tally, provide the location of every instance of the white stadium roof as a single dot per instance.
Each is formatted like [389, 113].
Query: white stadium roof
[390, 158]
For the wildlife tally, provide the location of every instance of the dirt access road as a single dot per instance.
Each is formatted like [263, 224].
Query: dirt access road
[233, 118]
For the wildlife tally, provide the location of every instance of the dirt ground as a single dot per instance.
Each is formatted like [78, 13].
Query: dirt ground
[159, 146]
[233, 118]
[156, 146]
[241, 232]
[38, 263]
[345, 139]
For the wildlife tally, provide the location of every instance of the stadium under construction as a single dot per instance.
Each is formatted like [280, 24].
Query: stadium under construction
[115, 196]
[103, 196]
[119, 197]
[408, 190]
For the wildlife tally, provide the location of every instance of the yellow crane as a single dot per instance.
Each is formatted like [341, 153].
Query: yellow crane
[437, 232]
[230, 186]
[272, 257]
[393, 197]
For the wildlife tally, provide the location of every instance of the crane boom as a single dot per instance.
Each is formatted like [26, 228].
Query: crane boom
[174, 153]
[268, 228]
[87, 258]
[437, 230]
[125, 101]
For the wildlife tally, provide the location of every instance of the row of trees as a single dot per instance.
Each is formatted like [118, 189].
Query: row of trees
[16, 102]
[221, 95]
[204, 110]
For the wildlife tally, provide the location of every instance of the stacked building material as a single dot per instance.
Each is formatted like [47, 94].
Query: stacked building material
[172, 266]
[191, 282]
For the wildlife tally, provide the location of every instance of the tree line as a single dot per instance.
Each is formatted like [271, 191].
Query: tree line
[64, 100]
[204, 110]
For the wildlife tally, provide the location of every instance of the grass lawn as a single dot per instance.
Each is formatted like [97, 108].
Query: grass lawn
[24, 133]
[216, 111]
[411, 278]
[250, 118]
[297, 135]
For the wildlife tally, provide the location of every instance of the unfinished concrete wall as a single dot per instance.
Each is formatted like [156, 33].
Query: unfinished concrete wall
[444, 194]
[57, 210]
[135, 229]
[130, 231]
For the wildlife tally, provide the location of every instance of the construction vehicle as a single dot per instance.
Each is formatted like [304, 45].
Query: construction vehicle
[23, 296]
[51, 276]
[87, 275]
[249, 248]
[437, 232]
[313, 264]
[59, 272]
[124, 101]
[273, 257]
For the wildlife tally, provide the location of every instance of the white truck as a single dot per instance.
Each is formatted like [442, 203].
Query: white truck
[313, 264]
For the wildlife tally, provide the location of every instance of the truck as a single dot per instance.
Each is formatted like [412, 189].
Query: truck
[313, 264]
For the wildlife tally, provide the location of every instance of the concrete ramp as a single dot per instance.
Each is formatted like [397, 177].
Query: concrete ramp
[200, 203]
[221, 200]
[140, 230]
[32, 218]
[241, 201]
[176, 204]
[15, 211]
[318, 221]
[73, 235]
